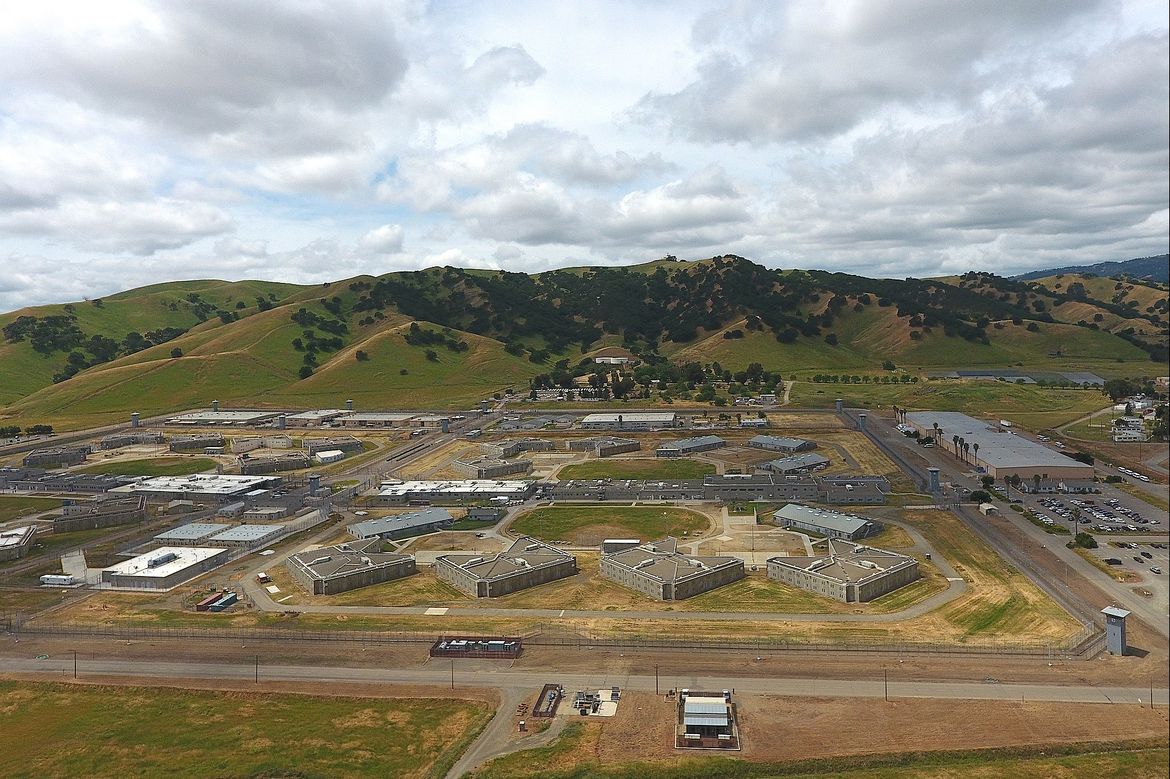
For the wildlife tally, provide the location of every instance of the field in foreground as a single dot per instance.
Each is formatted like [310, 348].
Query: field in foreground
[64, 730]
[156, 466]
[591, 524]
[639, 468]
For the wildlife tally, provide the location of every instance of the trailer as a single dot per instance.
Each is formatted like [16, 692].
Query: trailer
[224, 602]
[499, 647]
[205, 604]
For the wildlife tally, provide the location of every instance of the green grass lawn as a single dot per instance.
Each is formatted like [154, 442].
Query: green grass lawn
[13, 506]
[585, 523]
[157, 466]
[637, 468]
[65, 730]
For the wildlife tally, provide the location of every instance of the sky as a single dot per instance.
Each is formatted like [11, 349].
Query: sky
[310, 141]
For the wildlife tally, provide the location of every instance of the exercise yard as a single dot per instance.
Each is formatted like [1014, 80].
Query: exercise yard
[637, 468]
[589, 525]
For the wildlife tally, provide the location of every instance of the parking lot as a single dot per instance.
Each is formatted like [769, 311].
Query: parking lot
[1097, 513]
[1140, 556]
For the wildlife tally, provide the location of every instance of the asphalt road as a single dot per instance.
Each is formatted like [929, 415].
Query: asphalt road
[481, 675]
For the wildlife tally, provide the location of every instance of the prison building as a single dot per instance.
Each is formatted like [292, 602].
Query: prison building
[133, 438]
[747, 422]
[527, 563]
[604, 446]
[847, 572]
[16, 541]
[643, 420]
[193, 443]
[375, 419]
[192, 534]
[846, 492]
[268, 513]
[99, 514]
[784, 444]
[686, 446]
[997, 452]
[315, 418]
[658, 570]
[348, 566]
[764, 486]
[225, 418]
[164, 568]
[342, 443]
[490, 467]
[224, 488]
[246, 536]
[511, 448]
[484, 514]
[624, 490]
[825, 522]
[327, 456]
[414, 523]
[453, 491]
[290, 461]
[56, 456]
[797, 463]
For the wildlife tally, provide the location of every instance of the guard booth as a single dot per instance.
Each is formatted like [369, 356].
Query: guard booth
[1115, 641]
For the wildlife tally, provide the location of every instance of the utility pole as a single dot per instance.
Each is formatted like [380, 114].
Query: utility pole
[886, 683]
[452, 673]
[257, 669]
[75, 664]
[656, 680]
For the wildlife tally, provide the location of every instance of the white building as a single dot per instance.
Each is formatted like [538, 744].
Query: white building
[163, 568]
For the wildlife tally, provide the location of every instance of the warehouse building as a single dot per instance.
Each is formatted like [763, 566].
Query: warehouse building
[193, 534]
[776, 443]
[797, 463]
[16, 541]
[328, 456]
[227, 418]
[527, 563]
[196, 443]
[224, 488]
[246, 536]
[512, 448]
[414, 523]
[687, 446]
[376, 419]
[1000, 453]
[56, 457]
[102, 513]
[453, 491]
[638, 420]
[348, 566]
[132, 438]
[847, 572]
[342, 443]
[825, 522]
[604, 446]
[164, 568]
[490, 467]
[658, 570]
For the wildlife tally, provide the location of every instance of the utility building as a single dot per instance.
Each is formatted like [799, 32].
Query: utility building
[658, 570]
[163, 568]
[824, 522]
[775, 443]
[527, 563]
[348, 566]
[682, 448]
[414, 523]
[797, 463]
[638, 420]
[847, 572]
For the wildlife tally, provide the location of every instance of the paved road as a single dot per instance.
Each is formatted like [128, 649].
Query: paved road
[482, 676]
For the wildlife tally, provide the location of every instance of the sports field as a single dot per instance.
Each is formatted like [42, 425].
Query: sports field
[637, 468]
[154, 466]
[592, 524]
[65, 730]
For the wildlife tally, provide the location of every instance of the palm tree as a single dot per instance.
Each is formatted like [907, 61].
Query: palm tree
[966, 451]
[976, 448]
[955, 442]
[937, 434]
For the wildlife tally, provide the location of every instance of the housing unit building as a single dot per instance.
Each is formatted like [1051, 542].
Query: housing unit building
[40, 480]
[164, 568]
[315, 418]
[453, 491]
[56, 456]
[375, 419]
[490, 467]
[526, 563]
[348, 566]
[825, 522]
[341, 443]
[797, 463]
[658, 570]
[99, 514]
[414, 523]
[784, 444]
[604, 446]
[847, 572]
[131, 438]
[16, 541]
[245, 536]
[192, 443]
[290, 461]
[511, 448]
[998, 452]
[192, 534]
[225, 418]
[638, 420]
[682, 448]
[224, 488]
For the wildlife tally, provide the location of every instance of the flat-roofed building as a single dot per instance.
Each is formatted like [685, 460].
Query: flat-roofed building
[657, 569]
[686, 446]
[634, 420]
[343, 443]
[777, 443]
[164, 568]
[490, 467]
[348, 566]
[826, 522]
[527, 563]
[328, 456]
[131, 438]
[245, 536]
[753, 422]
[1000, 452]
[797, 463]
[288, 461]
[378, 419]
[56, 456]
[16, 541]
[513, 447]
[604, 446]
[224, 488]
[192, 534]
[414, 523]
[846, 571]
[226, 418]
[315, 418]
[193, 443]
[110, 512]
[453, 491]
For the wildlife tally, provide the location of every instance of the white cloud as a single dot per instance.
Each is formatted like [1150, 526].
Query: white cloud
[386, 239]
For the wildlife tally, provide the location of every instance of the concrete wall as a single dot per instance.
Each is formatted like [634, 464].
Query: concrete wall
[351, 581]
[846, 592]
[634, 580]
[494, 588]
[707, 580]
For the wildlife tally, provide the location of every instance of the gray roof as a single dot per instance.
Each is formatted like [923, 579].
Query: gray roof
[191, 532]
[996, 449]
[661, 560]
[846, 562]
[691, 443]
[830, 520]
[524, 554]
[248, 533]
[797, 461]
[343, 559]
[776, 442]
[393, 524]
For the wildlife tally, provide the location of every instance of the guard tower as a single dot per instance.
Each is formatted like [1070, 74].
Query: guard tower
[1115, 629]
[934, 484]
[839, 405]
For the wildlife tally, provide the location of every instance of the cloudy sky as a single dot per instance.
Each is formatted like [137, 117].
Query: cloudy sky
[309, 141]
